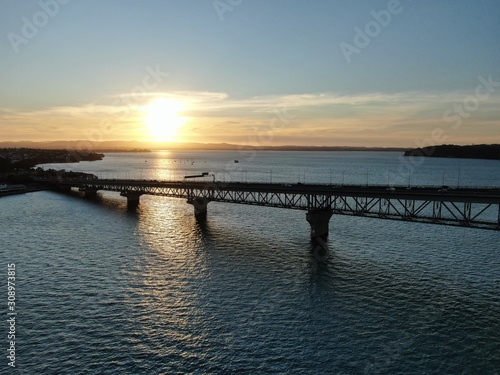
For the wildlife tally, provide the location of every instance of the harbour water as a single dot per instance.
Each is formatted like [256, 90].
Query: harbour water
[101, 289]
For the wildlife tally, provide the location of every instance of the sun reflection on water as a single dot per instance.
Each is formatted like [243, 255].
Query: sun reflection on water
[172, 270]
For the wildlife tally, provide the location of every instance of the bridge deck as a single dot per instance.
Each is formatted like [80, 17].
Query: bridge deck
[471, 207]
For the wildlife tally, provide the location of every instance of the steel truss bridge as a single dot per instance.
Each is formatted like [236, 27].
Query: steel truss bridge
[466, 207]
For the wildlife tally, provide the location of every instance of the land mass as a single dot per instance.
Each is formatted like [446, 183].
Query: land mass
[12, 159]
[453, 151]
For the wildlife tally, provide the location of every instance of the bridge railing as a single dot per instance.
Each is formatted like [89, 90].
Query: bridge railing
[356, 177]
[276, 183]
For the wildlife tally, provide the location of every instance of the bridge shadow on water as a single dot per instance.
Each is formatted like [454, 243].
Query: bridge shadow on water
[322, 261]
[103, 202]
[315, 258]
[321, 254]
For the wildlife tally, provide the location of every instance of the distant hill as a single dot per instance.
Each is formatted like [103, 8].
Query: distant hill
[117, 146]
[75, 145]
[454, 151]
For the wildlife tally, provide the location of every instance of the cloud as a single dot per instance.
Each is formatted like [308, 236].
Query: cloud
[314, 117]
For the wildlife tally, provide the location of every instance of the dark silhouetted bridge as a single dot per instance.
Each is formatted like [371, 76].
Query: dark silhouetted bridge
[466, 207]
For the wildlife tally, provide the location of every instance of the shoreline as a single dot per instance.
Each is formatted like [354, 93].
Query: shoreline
[20, 189]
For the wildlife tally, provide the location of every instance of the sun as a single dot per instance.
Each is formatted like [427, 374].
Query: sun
[163, 119]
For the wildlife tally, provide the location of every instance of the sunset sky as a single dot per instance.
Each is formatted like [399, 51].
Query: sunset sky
[283, 72]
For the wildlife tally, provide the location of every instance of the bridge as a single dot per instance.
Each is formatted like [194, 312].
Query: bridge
[466, 207]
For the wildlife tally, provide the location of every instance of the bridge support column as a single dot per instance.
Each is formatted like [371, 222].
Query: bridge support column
[133, 198]
[319, 220]
[499, 216]
[200, 206]
[64, 188]
[90, 193]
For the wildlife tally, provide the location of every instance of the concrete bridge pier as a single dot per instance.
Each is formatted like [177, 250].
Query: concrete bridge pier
[64, 188]
[200, 206]
[90, 193]
[318, 220]
[133, 198]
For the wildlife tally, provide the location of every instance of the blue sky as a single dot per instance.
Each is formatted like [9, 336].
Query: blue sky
[232, 70]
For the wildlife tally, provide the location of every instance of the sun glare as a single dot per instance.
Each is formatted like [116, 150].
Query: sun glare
[163, 120]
